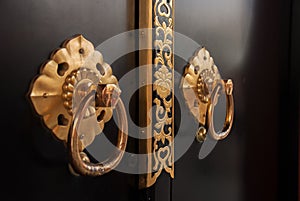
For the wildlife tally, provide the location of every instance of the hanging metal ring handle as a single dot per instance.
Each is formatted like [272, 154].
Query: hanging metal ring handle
[79, 160]
[228, 85]
[75, 86]
[201, 85]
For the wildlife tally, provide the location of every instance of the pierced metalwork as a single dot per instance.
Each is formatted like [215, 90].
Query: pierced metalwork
[75, 86]
[159, 16]
[203, 78]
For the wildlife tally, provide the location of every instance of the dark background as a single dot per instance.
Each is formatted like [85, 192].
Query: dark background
[255, 43]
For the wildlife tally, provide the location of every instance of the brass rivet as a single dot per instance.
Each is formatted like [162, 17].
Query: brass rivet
[45, 95]
[81, 51]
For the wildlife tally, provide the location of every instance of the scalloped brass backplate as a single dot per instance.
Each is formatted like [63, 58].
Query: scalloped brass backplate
[201, 86]
[51, 92]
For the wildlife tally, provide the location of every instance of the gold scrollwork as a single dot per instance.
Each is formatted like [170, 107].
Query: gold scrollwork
[163, 150]
[164, 8]
[159, 16]
[163, 82]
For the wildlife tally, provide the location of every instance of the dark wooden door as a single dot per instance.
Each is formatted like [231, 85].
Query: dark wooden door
[253, 42]
[250, 42]
[36, 163]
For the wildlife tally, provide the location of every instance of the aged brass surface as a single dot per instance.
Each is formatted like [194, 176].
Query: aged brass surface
[51, 92]
[201, 86]
[145, 93]
[80, 162]
[228, 85]
[77, 87]
[159, 15]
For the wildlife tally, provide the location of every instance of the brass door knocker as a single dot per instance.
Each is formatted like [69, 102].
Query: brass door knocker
[76, 94]
[201, 86]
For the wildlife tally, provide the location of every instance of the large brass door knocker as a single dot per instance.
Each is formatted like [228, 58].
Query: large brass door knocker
[201, 86]
[76, 94]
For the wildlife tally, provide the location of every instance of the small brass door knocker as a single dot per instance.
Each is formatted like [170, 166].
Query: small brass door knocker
[76, 94]
[201, 86]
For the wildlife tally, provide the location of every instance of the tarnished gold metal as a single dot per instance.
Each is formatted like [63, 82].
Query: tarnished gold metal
[201, 86]
[51, 92]
[79, 160]
[159, 15]
[145, 93]
[74, 86]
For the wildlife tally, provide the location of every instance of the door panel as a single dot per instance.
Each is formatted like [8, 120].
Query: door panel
[249, 43]
[30, 30]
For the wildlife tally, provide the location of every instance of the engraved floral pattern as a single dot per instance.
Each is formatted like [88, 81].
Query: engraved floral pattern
[163, 149]
[163, 82]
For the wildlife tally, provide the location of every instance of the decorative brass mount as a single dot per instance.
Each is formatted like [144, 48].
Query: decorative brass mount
[157, 22]
[75, 86]
[201, 86]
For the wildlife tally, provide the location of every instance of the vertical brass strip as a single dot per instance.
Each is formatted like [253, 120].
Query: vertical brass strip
[163, 88]
[145, 93]
[159, 15]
